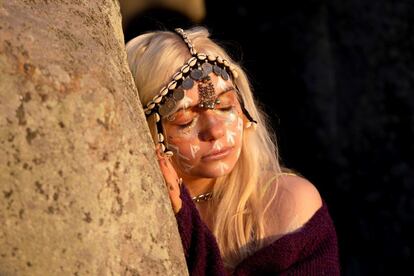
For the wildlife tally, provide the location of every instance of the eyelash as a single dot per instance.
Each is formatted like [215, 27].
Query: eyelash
[187, 125]
[227, 108]
[190, 123]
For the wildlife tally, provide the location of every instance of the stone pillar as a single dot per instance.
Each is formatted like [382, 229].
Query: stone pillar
[80, 189]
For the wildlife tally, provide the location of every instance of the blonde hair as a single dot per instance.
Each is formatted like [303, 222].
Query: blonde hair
[241, 198]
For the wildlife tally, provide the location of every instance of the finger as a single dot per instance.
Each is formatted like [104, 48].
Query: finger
[164, 167]
[158, 151]
[172, 180]
[168, 171]
[166, 161]
[162, 159]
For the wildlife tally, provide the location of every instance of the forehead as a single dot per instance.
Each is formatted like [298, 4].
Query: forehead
[193, 94]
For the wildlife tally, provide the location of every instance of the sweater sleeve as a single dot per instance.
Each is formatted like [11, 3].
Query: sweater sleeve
[200, 247]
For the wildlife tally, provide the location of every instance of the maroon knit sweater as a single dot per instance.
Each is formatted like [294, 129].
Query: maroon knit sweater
[312, 250]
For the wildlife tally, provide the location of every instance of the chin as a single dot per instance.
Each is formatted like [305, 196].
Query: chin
[211, 171]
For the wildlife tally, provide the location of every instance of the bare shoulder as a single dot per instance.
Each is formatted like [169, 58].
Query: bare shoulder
[298, 200]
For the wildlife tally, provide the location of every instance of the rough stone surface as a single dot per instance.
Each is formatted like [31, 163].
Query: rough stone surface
[80, 188]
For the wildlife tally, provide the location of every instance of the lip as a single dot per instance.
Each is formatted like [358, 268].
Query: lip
[219, 154]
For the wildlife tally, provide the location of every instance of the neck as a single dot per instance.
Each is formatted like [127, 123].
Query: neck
[197, 186]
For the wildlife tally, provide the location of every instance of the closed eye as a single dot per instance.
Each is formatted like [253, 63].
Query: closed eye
[187, 124]
[226, 108]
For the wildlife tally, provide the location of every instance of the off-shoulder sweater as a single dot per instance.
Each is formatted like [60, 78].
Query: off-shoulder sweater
[311, 250]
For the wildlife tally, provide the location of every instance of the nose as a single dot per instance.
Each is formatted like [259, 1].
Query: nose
[213, 128]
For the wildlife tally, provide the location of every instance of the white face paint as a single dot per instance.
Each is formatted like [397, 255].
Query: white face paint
[221, 85]
[232, 117]
[217, 146]
[239, 124]
[230, 137]
[185, 102]
[194, 150]
[207, 142]
[222, 167]
[187, 167]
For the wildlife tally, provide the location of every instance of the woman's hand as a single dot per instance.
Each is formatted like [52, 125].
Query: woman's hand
[171, 179]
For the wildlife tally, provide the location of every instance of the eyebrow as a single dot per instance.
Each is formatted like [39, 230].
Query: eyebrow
[226, 89]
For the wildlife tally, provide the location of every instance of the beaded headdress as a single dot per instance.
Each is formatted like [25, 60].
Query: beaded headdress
[195, 70]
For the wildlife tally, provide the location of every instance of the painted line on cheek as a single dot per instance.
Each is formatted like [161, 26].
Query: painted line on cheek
[222, 167]
[177, 151]
[230, 137]
[194, 149]
[217, 145]
[187, 167]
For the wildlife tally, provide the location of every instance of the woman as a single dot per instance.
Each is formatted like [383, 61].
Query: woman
[238, 211]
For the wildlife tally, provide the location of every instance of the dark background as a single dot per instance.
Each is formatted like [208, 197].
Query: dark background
[337, 79]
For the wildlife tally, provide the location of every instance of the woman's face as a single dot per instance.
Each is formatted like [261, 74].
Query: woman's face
[206, 142]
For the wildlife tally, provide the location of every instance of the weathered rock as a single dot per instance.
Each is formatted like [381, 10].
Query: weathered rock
[80, 188]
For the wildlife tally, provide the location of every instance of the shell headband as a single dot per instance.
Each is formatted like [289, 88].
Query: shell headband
[195, 70]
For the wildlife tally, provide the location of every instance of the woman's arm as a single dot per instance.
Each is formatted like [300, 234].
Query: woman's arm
[200, 247]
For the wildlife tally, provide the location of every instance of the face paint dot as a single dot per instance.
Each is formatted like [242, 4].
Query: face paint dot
[231, 117]
[240, 124]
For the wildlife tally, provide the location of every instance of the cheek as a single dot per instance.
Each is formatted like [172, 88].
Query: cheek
[234, 126]
[231, 118]
[186, 148]
[186, 153]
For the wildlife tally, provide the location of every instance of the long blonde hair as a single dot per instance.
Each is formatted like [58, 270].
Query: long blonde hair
[241, 198]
